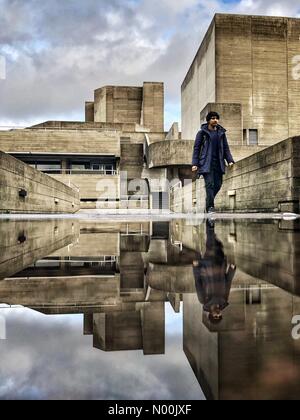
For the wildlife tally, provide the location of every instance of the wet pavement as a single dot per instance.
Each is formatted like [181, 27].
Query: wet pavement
[168, 309]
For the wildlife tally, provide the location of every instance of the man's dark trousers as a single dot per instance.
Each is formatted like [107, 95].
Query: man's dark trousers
[213, 183]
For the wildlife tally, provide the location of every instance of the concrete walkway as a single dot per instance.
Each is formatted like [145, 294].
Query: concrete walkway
[150, 216]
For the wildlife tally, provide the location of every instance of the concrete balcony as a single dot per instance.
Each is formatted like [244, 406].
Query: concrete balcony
[92, 186]
[57, 142]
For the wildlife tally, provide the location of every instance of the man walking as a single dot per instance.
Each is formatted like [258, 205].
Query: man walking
[210, 152]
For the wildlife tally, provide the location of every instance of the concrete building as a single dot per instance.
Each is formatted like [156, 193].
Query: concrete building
[91, 155]
[129, 105]
[246, 68]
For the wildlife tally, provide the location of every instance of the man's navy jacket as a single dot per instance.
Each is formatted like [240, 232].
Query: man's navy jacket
[213, 276]
[202, 156]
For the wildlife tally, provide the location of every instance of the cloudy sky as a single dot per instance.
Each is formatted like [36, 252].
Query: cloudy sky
[58, 51]
[47, 357]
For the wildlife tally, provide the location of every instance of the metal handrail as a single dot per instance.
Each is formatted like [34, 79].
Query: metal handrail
[80, 172]
[100, 262]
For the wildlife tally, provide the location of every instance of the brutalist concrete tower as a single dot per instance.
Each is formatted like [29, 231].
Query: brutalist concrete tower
[247, 68]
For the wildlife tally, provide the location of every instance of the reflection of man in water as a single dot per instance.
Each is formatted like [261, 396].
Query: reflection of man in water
[213, 276]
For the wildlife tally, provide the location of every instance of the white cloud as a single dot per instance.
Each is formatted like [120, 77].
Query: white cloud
[53, 68]
[48, 357]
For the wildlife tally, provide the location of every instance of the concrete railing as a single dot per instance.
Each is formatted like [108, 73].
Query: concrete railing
[80, 172]
[179, 153]
[267, 181]
[23, 189]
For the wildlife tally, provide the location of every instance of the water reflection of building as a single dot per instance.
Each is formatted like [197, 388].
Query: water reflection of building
[251, 354]
[24, 242]
[267, 249]
[120, 276]
[102, 275]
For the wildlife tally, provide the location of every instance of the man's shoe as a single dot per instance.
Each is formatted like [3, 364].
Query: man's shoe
[211, 210]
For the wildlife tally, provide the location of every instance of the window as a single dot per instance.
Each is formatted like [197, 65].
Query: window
[80, 166]
[96, 166]
[245, 137]
[253, 137]
[51, 167]
[109, 169]
[250, 137]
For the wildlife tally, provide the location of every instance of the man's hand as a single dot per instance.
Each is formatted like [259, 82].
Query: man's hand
[195, 168]
[231, 164]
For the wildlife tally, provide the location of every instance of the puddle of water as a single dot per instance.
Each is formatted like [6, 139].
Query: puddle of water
[175, 310]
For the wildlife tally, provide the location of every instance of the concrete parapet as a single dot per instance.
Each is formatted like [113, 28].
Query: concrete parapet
[87, 290]
[87, 142]
[24, 242]
[267, 181]
[26, 190]
[180, 152]
[92, 186]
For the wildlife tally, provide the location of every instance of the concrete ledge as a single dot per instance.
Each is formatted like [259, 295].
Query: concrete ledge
[61, 142]
[84, 290]
[24, 242]
[93, 186]
[266, 250]
[179, 152]
[268, 181]
[26, 190]
[173, 279]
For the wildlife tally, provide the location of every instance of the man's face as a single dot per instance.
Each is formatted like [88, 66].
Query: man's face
[214, 121]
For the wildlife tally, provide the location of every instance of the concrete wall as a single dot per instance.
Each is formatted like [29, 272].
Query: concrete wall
[118, 104]
[92, 245]
[132, 270]
[180, 152]
[131, 105]
[142, 329]
[174, 133]
[266, 251]
[231, 118]
[171, 278]
[89, 112]
[93, 186]
[170, 152]
[92, 290]
[132, 160]
[266, 181]
[80, 125]
[235, 360]
[153, 106]
[44, 194]
[24, 242]
[259, 53]
[134, 133]
[199, 86]
[61, 142]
